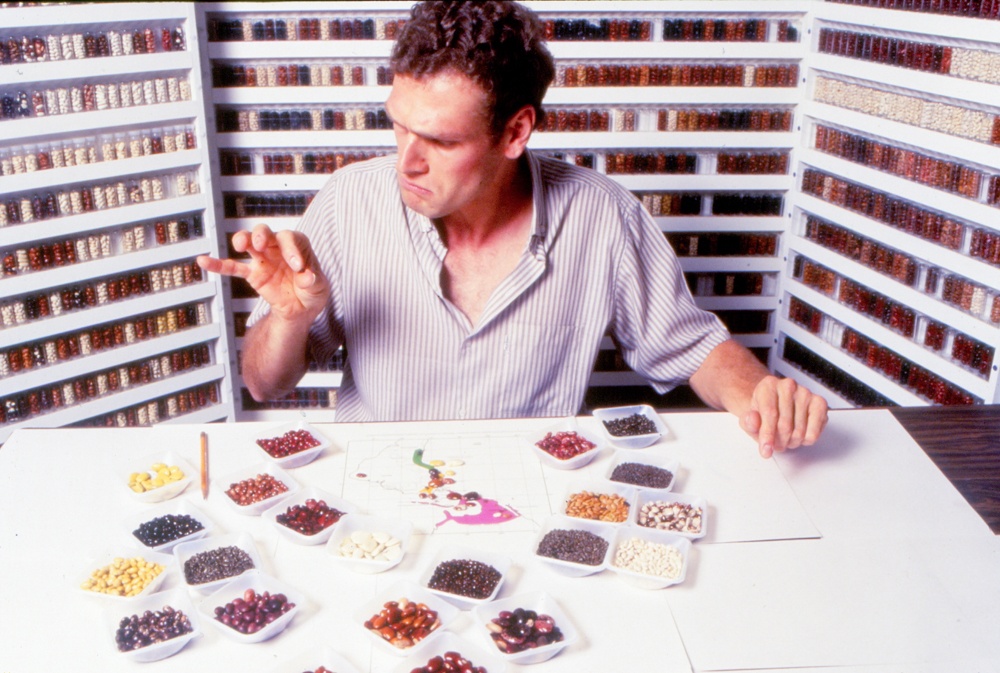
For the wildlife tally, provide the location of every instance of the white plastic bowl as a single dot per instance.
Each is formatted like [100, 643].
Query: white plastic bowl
[647, 496]
[397, 528]
[449, 642]
[299, 498]
[167, 561]
[260, 583]
[312, 660]
[176, 507]
[185, 551]
[601, 488]
[145, 464]
[542, 604]
[454, 552]
[572, 568]
[446, 613]
[622, 457]
[651, 536]
[177, 599]
[577, 461]
[608, 414]
[252, 472]
[295, 459]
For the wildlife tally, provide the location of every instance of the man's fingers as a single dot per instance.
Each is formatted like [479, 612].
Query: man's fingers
[817, 420]
[767, 406]
[226, 267]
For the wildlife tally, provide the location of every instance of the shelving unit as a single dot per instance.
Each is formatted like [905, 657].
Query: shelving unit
[936, 116]
[106, 320]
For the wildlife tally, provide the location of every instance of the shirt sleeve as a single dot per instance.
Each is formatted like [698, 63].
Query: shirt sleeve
[661, 333]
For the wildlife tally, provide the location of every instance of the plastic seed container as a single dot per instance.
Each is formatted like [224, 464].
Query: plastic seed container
[243, 541]
[259, 583]
[573, 568]
[647, 496]
[456, 553]
[446, 614]
[395, 528]
[542, 604]
[167, 561]
[177, 508]
[295, 459]
[251, 472]
[575, 462]
[299, 498]
[649, 536]
[176, 599]
[622, 457]
[145, 464]
[641, 441]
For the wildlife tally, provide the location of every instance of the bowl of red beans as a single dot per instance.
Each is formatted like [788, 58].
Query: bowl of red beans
[565, 445]
[291, 444]
[308, 517]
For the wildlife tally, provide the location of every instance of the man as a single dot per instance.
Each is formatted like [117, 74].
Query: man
[469, 277]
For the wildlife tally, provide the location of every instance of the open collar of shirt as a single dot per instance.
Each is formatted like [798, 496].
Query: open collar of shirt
[431, 251]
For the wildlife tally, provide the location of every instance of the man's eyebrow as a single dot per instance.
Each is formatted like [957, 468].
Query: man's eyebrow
[437, 139]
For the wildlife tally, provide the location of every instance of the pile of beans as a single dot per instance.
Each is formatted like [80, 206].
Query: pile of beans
[151, 627]
[255, 489]
[449, 662]
[253, 611]
[640, 474]
[564, 445]
[216, 564]
[167, 528]
[465, 577]
[309, 518]
[673, 516]
[608, 507]
[163, 474]
[574, 546]
[402, 623]
[371, 546]
[518, 630]
[123, 577]
[629, 426]
[293, 441]
[649, 558]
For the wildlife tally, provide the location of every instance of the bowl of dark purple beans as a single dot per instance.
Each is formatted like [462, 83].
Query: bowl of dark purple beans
[632, 427]
[253, 608]
[527, 628]
[154, 627]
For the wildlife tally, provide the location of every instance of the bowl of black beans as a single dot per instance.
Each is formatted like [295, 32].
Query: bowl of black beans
[632, 427]
[643, 471]
[163, 527]
[574, 547]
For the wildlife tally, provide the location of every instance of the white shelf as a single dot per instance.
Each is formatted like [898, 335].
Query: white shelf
[722, 140]
[970, 267]
[673, 96]
[102, 170]
[287, 50]
[75, 321]
[300, 95]
[50, 73]
[305, 139]
[32, 129]
[713, 183]
[925, 26]
[906, 80]
[737, 303]
[928, 197]
[85, 15]
[731, 264]
[107, 359]
[722, 223]
[98, 220]
[646, 52]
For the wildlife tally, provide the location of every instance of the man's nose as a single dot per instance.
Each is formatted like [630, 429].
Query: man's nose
[411, 159]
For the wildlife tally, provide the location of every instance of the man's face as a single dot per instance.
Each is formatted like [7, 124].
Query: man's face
[447, 156]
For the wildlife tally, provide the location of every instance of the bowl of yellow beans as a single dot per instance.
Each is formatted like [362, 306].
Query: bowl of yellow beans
[127, 574]
[157, 477]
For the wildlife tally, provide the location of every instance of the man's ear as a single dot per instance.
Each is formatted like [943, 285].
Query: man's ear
[518, 131]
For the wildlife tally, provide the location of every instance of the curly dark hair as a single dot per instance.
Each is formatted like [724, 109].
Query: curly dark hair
[499, 45]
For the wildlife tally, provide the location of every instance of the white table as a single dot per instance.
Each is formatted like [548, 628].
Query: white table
[856, 553]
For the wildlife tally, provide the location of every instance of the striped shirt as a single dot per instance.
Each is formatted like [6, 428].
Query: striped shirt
[595, 264]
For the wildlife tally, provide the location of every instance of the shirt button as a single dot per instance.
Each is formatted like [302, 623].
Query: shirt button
[462, 413]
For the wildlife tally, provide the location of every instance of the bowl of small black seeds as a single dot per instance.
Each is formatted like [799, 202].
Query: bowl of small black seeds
[208, 563]
[643, 471]
[163, 527]
[632, 427]
[574, 547]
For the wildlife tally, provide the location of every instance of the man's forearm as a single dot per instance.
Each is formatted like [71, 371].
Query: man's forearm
[274, 357]
[727, 377]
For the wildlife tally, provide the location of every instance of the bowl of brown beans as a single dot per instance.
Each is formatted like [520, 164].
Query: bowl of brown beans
[153, 627]
[525, 629]
[565, 445]
[603, 501]
[405, 618]
[631, 427]
[254, 608]
[308, 517]
[255, 488]
[291, 444]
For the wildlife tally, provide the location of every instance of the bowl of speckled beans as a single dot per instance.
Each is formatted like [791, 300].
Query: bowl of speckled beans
[153, 627]
[631, 427]
[208, 563]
